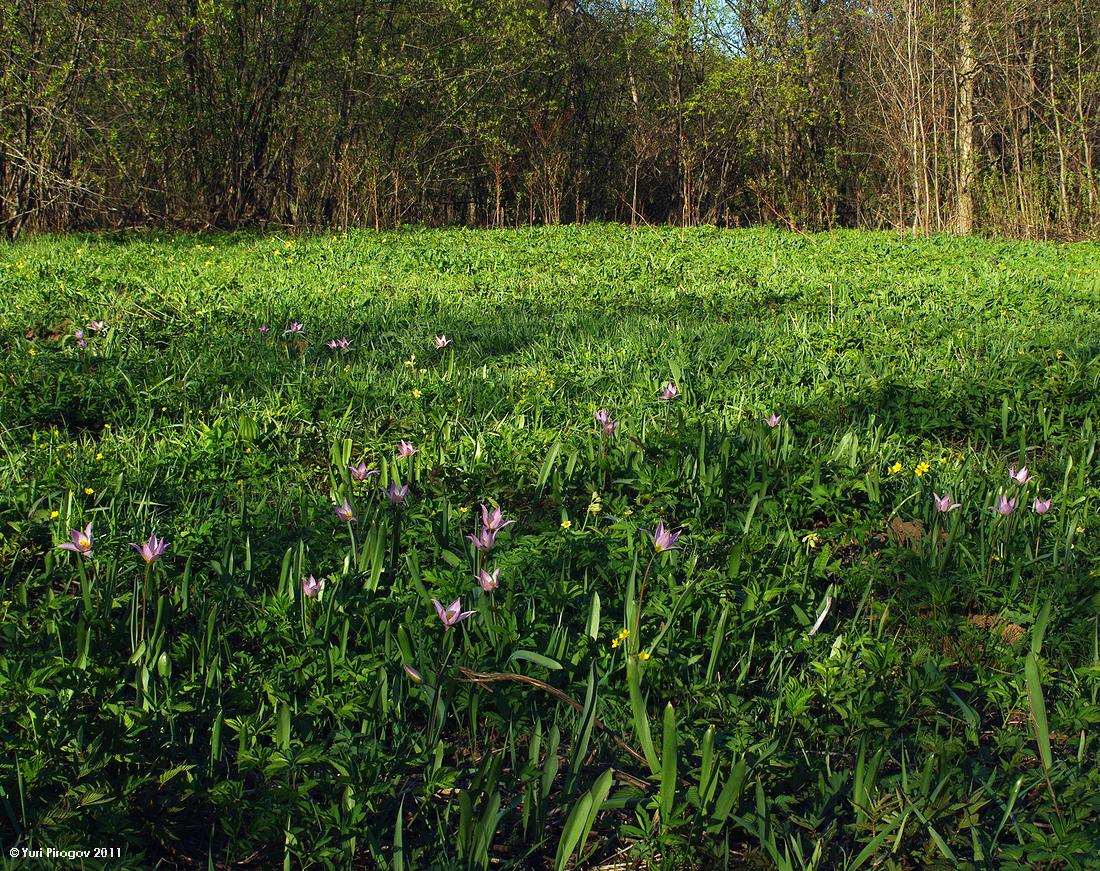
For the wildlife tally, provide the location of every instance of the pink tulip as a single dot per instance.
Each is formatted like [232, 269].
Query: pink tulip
[311, 587]
[361, 472]
[495, 520]
[944, 503]
[151, 550]
[489, 582]
[81, 542]
[665, 539]
[452, 615]
[345, 512]
[397, 494]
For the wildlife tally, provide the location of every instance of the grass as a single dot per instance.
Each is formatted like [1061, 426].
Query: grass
[825, 672]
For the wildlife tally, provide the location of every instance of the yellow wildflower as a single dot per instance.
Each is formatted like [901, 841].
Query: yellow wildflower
[643, 655]
[595, 508]
[99, 456]
[31, 350]
[894, 469]
[88, 491]
[55, 514]
[615, 643]
[922, 468]
[565, 524]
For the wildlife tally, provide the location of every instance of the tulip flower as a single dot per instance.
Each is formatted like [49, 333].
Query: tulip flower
[944, 503]
[485, 540]
[344, 511]
[97, 326]
[442, 341]
[665, 539]
[405, 450]
[81, 541]
[80, 340]
[489, 582]
[772, 420]
[339, 344]
[452, 615]
[603, 418]
[311, 587]
[495, 520]
[1040, 506]
[295, 329]
[361, 472]
[397, 494]
[264, 330]
[670, 391]
[413, 674]
[151, 550]
[1021, 477]
[1005, 506]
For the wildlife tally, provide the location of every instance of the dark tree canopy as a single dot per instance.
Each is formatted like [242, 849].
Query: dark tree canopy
[929, 114]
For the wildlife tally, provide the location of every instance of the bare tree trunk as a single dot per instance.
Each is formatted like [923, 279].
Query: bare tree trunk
[968, 162]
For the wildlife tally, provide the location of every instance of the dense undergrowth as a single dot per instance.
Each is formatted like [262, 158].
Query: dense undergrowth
[825, 671]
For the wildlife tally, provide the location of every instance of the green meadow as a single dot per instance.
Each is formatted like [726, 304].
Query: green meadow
[825, 670]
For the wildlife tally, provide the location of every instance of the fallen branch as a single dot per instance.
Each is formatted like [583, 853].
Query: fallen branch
[481, 678]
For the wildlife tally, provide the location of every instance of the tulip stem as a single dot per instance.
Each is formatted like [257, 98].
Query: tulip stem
[395, 543]
[641, 599]
[144, 597]
[441, 664]
[354, 548]
[85, 588]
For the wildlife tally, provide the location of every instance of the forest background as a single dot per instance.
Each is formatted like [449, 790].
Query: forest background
[932, 115]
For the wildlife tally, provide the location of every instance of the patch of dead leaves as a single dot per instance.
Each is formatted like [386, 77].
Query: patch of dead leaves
[1008, 632]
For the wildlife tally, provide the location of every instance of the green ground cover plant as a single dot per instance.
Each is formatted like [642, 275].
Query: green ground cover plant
[781, 550]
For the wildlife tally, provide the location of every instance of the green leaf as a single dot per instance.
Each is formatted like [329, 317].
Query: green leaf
[641, 718]
[579, 824]
[1038, 710]
[548, 465]
[669, 749]
[537, 658]
[593, 627]
[282, 728]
